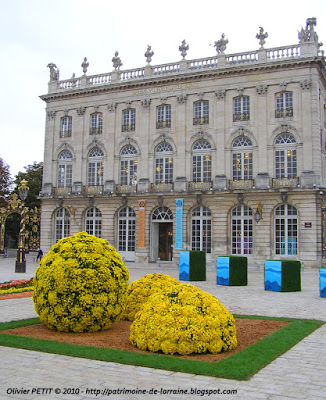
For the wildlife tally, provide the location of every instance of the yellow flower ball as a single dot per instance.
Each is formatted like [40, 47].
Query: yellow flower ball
[80, 285]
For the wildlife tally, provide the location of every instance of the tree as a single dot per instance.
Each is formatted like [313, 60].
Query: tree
[5, 182]
[33, 175]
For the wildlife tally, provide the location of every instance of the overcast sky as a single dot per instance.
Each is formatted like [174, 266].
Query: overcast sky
[34, 33]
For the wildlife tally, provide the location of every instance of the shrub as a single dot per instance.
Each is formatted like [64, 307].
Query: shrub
[80, 285]
[183, 320]
[139, 291]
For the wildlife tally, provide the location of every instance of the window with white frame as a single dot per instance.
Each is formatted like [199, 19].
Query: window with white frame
[201, 112]
[66, 127]
[163, 116]
[128, 120]
[93, 222]
[285, 156]
[284, 104]
[128, 165]
[286, 230]
[201, 161]
[201, 229]
[96, 121]
[242, 158]
[65, 169]
[241, 230]
[126, 229]
[163, 163]
[62, 224]
[95, 167]
[241, 108]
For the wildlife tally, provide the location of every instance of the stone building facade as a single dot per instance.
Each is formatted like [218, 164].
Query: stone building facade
[224, 154]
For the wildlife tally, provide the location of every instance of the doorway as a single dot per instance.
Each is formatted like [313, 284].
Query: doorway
[165, 241]
[161, 241]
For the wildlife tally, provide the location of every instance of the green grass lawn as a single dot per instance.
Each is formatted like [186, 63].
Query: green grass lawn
[240, 366]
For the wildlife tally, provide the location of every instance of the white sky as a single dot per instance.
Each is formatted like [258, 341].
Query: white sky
[34, 33]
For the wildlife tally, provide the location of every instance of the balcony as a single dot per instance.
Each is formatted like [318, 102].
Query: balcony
[93, 190]
[125, 189]
[95, 131]
[163, 124]
[65, 134]
[201, 121]
[241, 184]
[241, 117]
[161, 187]
[284, 113]
[199, 186]
[62, 191]
[279, 183]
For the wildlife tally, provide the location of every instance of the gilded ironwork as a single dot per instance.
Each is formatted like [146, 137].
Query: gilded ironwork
[241, 184]
[93, 189]
[125, 188]
[285, 182]
[286, 112]
[29, 228]
[162, 187]
[203, 186]
[201, 121]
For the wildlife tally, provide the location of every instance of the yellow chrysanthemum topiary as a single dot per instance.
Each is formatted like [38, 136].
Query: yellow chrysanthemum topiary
[183, 320]
[139, 291]
[80, 285]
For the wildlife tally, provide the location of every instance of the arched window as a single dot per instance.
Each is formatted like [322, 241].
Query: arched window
[286, 230]
[96, 121]
[201, 161]
[241, 108]
[242, 158]
[285, 156]
[241, 230]
[95, 167]
[62, 224]
[93, 222]
[162, 214]
[201, 229]
[65, 169]
[163, 163]
[128, 166]
[126, 229]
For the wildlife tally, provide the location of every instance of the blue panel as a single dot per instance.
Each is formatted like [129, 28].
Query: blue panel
[178, 223]
[223, 270]
[184, 266]
[273, 275]
[322, 275]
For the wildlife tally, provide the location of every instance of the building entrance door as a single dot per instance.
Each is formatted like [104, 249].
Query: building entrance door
[165, 241]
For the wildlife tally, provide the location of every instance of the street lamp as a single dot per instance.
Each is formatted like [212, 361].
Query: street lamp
[21, 261]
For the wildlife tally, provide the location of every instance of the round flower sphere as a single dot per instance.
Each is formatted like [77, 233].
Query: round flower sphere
[80, 285]
[184, 320]
[139, 291]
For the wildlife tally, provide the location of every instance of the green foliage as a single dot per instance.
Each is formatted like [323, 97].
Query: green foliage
[33, 175]
[5, 182]
[238, 275]
[197, 265]
[291, 276]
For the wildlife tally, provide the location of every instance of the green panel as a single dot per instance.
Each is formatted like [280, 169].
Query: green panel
[291, 276]
[238, 275]
[197, 267]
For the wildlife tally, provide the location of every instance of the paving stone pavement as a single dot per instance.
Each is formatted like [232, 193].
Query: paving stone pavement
[298, 374]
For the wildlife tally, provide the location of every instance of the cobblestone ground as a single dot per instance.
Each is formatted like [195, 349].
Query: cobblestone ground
[298, 374]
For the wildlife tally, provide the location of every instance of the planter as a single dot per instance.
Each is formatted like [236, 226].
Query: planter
[283, 276]
[232, 271]
[192, 266]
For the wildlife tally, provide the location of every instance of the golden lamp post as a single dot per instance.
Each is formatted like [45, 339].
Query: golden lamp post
[21, 261]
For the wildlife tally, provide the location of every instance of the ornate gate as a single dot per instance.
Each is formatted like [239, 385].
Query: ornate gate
[29, 229]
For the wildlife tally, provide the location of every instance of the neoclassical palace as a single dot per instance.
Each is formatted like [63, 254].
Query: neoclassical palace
[224, 154]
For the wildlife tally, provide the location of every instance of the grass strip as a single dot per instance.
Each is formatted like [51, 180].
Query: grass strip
[239, 366]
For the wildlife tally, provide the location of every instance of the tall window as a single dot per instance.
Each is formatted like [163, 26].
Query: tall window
[128, 120]
[163, 117]
[242, 158]
[285, 156]
[201, 112]
[201, 229]
[286, 230]
[127, 229]
[65, 169]
[284, 104]
[93, 222]
[163, 163]
[66, 127]
[96, 123]
[241, 108]
[95, 167]
[201, 161]
[242, 232]
[62, 224]
[128, 166]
